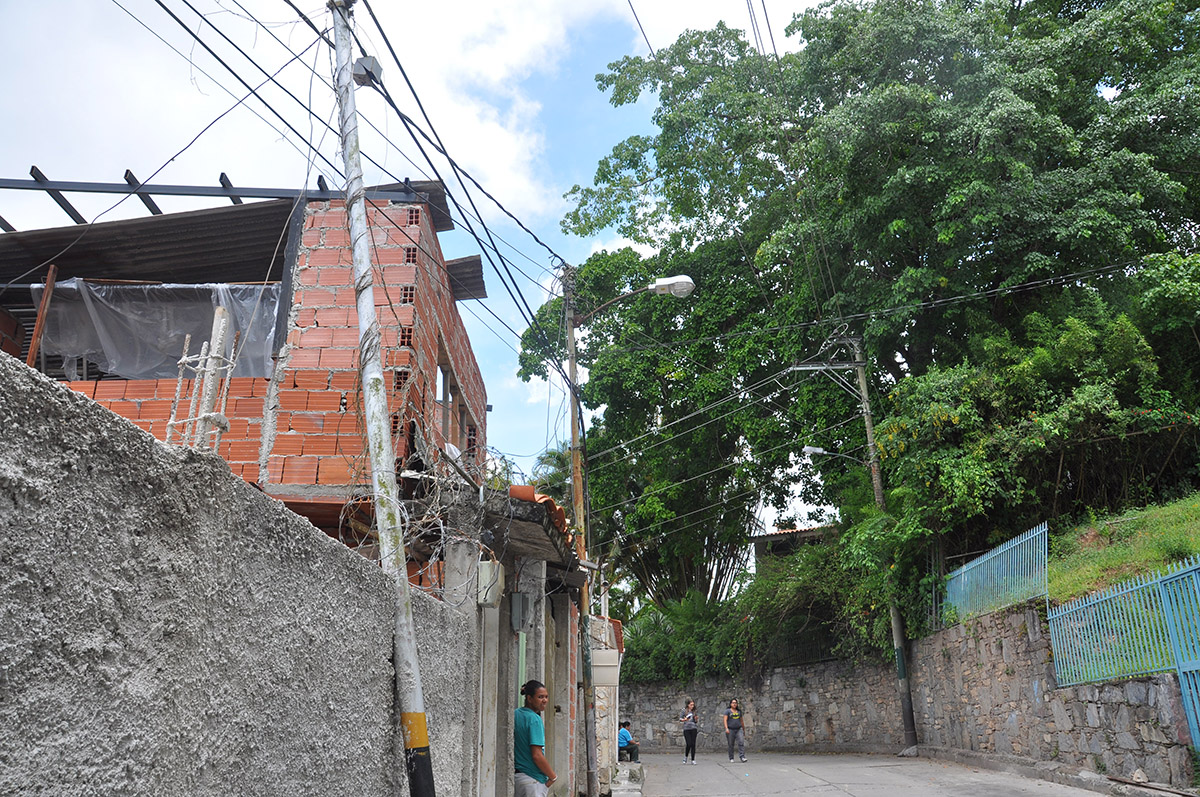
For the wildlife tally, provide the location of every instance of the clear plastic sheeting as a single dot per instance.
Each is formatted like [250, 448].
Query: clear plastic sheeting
[137, 331]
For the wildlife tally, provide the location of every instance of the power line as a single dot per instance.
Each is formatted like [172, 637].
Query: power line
[717, 469]
[693, 414]
[134, 189]
[216, 82]
[388, 140]
[872, 314]
[643, 30]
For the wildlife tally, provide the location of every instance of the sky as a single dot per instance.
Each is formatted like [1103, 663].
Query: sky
[95, 87]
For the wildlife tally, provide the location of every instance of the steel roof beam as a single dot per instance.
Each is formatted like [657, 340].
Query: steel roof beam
[142, 195]
[55, 194]
[198, 190]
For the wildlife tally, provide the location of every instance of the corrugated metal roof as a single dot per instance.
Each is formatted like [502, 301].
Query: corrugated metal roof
[238, 243]
[235, 243]
[466, 278]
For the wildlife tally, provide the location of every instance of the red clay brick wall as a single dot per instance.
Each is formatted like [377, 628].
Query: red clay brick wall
[316, 449]
[147, 403]
[318, 429]
[12, 334]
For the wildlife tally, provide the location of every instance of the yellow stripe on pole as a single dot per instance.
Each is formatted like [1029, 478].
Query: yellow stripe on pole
[416, 733]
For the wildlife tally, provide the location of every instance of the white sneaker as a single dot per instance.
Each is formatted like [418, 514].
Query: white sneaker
[731, 760]
[693, 762]
[685, 759]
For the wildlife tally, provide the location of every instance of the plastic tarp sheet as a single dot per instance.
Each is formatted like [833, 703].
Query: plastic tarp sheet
[137, 331]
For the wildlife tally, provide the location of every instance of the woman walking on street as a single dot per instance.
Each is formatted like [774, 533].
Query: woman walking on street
[690, 729]
[534, 775]
[733, 729]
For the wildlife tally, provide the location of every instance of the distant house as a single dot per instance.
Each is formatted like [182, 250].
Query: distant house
[126, 295]
[782, 542]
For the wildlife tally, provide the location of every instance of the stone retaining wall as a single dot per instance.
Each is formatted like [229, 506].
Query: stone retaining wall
[988, 685]
[985, 688]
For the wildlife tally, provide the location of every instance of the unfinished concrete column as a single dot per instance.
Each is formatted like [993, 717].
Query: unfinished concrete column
[532, 583]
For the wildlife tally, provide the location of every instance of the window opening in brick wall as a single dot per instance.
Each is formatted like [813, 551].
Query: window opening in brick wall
[472, 440]
[414, 217]
[395, 424]
[400, 379]
[406, 337]
[408, 294]
[410, 254]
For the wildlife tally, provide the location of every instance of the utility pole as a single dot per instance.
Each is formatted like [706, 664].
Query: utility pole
[388, 511]
[897, 622]
[578, 510]
[898, 641]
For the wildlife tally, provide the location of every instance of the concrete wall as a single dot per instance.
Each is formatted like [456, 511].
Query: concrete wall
[170, 630]
[982, 690]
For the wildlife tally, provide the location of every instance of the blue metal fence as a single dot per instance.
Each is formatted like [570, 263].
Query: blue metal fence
[1121, 632]
[1008, 574]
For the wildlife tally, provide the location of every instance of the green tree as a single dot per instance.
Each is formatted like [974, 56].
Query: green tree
[974, 189]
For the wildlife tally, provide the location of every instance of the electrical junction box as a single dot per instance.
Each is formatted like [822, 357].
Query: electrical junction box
[606, 667]
[520, 607]
[491, 584]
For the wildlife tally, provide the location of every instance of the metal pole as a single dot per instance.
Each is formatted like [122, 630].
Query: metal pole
[578, 510]
[417, 758]
[898, 642]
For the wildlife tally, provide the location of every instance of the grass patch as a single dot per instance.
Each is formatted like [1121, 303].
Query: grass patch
[1101, 553]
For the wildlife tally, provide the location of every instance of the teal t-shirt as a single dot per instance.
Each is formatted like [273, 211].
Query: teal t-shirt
[528, 730]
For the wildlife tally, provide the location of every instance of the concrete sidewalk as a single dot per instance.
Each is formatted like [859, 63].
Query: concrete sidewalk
[845, 775]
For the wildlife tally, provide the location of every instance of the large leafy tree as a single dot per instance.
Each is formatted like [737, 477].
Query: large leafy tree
[973, 188]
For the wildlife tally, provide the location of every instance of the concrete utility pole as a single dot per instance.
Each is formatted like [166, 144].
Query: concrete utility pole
[579, 511]
[898, 642]
[418, 762]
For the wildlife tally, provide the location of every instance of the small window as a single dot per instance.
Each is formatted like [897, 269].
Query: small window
[410, 254]
[414, 217]
[408, 293]
[406, 336]
[395, 424]
[399, 379]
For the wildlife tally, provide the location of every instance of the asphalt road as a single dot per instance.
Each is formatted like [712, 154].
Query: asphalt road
[836, 775]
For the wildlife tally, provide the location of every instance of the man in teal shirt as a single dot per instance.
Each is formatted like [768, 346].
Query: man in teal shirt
[534, 775]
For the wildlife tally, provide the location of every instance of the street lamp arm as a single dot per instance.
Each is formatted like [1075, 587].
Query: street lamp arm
[580, 319]
[679, 286]
[810, 450]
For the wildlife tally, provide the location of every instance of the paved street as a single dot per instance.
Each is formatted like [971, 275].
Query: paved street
[850, 775]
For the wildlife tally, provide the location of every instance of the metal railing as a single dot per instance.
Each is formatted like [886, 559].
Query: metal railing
[1120, 632]
[1008, 574]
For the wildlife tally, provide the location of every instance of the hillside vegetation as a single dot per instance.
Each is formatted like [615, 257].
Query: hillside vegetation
[1101, 553]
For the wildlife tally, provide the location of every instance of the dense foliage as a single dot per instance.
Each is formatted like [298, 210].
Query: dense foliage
[999, 198]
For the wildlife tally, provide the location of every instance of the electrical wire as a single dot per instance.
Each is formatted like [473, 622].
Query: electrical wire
[907, 308]
[717, 469]
[134, 189]
[643, 30]
[401, 152]
[237, 76]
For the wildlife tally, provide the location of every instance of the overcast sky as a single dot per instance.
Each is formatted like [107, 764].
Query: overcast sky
[95, 87]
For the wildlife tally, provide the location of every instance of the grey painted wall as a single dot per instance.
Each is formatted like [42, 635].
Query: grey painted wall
[166, 629]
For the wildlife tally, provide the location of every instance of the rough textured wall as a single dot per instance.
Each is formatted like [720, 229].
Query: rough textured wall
[988, 685]
[169, 630]
[830, 706]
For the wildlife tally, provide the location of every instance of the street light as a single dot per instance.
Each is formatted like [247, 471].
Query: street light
[679, 286]
[810, 450]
